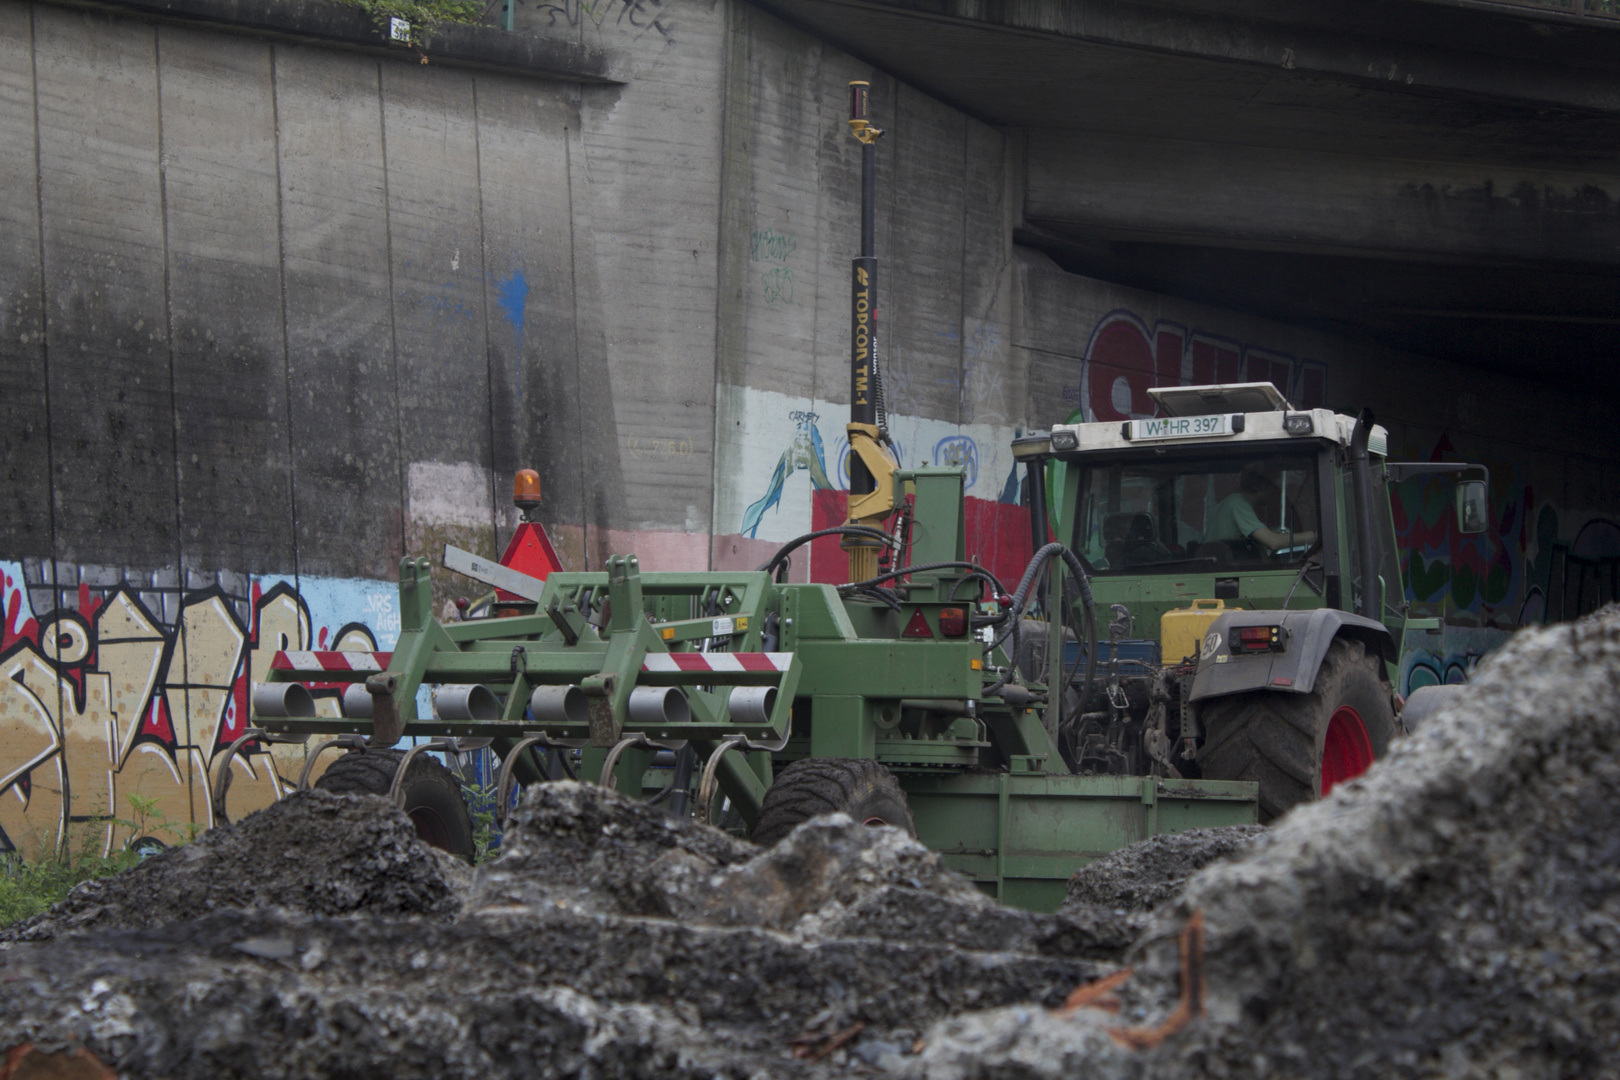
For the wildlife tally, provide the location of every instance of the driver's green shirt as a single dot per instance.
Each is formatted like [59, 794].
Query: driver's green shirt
[1233, 519]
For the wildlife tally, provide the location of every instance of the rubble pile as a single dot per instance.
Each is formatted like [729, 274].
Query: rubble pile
[1456, 912]
[1141, 877]
[608, 939]
[314, 852]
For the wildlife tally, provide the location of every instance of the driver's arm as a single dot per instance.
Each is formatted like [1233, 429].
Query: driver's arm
[1275, 540]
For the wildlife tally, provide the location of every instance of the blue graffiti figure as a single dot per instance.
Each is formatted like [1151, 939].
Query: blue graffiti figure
[806, 452]
[962, 451]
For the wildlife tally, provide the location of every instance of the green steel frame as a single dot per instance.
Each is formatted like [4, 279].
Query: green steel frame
[987, 788]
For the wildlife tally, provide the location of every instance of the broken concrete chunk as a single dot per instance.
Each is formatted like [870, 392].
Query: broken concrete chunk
[313, 852]
[1453, 912]
[1146, 874]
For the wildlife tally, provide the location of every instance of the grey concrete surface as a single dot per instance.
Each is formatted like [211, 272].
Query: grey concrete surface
[358, 30]
[306, 309]
[109, 373]
[24, 421]
[1346, 166]
[232, 464]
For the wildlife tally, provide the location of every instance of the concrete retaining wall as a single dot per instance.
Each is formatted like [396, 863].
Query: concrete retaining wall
[273, 315]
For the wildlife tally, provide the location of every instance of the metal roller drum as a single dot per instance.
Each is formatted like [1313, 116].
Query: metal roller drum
[282, 699]
[357, 702]
[655, 706]
[752, 704]
[559, 705]
[467, 702]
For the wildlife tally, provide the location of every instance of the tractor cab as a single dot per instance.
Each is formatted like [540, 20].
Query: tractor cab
[1233, 496]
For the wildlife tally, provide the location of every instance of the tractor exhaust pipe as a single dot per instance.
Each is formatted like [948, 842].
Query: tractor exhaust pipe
[1369, 603]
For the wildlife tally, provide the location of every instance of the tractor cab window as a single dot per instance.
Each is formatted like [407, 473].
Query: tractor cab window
[1163, 514]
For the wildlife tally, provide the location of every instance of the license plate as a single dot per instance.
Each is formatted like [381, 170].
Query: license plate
[1181, 427]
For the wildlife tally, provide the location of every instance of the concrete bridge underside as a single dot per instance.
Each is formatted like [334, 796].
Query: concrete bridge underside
[1440, 176]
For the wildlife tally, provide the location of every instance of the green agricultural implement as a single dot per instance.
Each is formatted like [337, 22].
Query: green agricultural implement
[1247, 665]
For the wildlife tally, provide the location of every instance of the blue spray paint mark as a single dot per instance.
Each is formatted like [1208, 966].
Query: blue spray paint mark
[512, 295]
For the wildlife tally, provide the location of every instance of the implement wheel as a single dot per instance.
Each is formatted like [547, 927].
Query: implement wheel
[1298, 746]
[864, 789]
[432, 793]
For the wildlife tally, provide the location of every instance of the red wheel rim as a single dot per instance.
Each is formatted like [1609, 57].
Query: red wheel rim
[1347, 752]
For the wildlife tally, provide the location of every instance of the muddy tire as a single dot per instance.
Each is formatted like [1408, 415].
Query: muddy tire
[859, 787]
[1297, 745]
[433, 799]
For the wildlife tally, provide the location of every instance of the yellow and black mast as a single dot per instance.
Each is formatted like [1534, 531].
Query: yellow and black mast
[871, 461]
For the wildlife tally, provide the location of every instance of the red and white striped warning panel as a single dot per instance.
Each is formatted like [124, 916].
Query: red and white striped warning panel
[718, 661]
[318, 662]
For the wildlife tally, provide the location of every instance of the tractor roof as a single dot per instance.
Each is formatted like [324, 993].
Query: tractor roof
[1248, 397]
[1236, 412]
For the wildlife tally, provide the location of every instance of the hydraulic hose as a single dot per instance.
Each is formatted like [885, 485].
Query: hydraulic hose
[1021, 598]
[974, 568]
[837, 530]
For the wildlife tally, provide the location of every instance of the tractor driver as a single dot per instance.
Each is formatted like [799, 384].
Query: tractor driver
[1236, 517]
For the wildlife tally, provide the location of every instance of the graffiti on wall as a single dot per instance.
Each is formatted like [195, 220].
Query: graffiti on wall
[804, 452]
[1124, 360]
[772, 250]
[634, 17]
[113, 687]
[1533, 565]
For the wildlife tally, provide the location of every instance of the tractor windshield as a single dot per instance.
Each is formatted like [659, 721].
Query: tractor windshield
[1162, 514]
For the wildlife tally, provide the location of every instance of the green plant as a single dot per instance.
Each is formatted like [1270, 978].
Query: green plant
[481, 807]
[147, 822]
[421, 15]
[29, 887]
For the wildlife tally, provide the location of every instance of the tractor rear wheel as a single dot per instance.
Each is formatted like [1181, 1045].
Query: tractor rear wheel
[864, 789]
[433, 798]
[1298, 746]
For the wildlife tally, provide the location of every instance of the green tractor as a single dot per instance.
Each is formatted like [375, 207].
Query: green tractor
[1241, 550]
[1232, 537]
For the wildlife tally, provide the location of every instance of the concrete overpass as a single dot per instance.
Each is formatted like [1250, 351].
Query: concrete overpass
[1439, 176]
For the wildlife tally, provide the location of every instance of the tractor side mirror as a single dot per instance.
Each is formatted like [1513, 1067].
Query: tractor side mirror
[1471, 506]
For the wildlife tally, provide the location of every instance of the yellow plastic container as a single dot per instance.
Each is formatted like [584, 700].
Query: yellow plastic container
[1181, 632]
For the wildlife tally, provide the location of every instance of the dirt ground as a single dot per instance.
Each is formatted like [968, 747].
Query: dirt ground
[1454, 913]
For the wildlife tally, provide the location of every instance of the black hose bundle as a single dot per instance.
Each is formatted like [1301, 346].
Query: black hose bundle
[974, 570]
[1055, 694]
[781, 556]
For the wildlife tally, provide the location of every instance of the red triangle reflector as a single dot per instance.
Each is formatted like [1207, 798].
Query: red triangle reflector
[917, 627]
[530, 552]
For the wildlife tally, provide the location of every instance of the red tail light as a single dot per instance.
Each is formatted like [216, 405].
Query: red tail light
[953, 622]
[1247, 639]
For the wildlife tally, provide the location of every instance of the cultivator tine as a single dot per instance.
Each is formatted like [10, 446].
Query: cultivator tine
[452, 748]
[638, 741]
[709, 785]
[503, 786]
[222, 782]
[710, 782]
[347, 742]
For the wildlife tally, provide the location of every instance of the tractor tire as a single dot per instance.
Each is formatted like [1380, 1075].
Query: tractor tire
[1297, 746]
[864, 789]
[433, 798]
